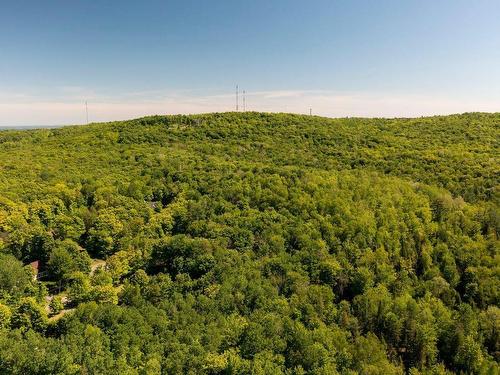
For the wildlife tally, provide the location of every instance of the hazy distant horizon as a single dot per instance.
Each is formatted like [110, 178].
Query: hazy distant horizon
[30, 126]
[326, 104]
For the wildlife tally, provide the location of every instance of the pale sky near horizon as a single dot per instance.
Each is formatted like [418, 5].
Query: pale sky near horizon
[127, 58]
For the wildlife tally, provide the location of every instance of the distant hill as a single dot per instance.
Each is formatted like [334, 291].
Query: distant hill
[459, 153]
[252, 243]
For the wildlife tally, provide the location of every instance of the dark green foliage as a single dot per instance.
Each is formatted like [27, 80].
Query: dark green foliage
[253, 244]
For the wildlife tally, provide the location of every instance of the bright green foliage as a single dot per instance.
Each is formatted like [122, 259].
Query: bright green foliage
[119, 264]
[5, 316]
[79, 287]
[104, 294]
[29, 315]
[253, 244]
[66, 258]
[56, 305]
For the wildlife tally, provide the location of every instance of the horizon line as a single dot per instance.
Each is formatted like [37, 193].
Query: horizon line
[48, 126]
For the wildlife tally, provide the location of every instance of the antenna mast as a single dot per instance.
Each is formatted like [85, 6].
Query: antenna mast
[87, 111]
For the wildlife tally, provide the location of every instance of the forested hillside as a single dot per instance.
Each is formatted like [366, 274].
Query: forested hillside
[249, 243]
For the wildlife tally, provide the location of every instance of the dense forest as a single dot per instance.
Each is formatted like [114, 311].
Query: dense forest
[251, 243]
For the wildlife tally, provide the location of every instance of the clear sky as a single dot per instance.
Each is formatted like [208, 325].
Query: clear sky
[340, 57]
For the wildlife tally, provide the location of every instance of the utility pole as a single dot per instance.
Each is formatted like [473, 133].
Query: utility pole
[87, 111]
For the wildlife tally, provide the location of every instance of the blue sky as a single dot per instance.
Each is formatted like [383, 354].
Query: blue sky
[340, 57]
